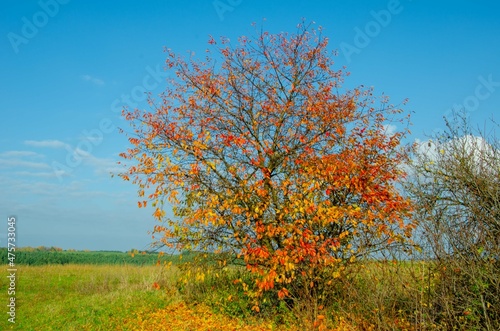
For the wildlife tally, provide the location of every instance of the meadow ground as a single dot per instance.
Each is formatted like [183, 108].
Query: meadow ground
[379, 296]
[109, 297]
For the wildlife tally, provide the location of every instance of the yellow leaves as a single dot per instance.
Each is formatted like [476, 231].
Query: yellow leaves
[199, 145]
[174, 168]
[343, 234]
[159, 213]
[178, 316]
[173, 195]
[211, 165]
[230, 179]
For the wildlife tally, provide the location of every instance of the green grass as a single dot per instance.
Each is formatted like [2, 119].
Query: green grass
[377, 295]
[84, 297]
[113, 297]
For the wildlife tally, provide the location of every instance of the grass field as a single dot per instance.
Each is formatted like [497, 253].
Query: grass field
[82, 297]
[105, 297]
[378, 296]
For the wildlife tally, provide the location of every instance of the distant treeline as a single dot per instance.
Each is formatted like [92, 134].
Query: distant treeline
[54, 255]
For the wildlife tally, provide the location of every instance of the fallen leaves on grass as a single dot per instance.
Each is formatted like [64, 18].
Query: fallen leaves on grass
[180, 317]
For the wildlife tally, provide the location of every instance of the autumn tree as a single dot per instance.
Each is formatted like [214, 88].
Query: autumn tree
[263, 155]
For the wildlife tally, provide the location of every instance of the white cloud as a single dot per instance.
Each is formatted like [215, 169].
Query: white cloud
[103, 166]
[389, 129]
[93, 139]
[27, 159]
[93, 80]
[46, 143]
[51, 174]
[427, 149]
[15, 163]
[24, 164]
[81, 152]
[485, 156]
[9, 154]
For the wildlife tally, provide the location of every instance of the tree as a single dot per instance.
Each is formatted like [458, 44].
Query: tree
[263, 157]
[456, 186]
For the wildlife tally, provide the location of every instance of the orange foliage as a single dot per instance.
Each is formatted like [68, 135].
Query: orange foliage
[265, 156]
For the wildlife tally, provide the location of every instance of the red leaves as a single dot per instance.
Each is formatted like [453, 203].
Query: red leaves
[283, 293]
[266, 156]
[229, 139]
[266, 173]
[134, 141]
[257, 252]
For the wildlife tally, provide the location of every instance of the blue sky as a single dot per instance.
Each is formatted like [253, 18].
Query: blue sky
[68, 66]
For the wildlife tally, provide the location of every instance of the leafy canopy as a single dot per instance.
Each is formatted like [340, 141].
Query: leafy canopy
[262, 154]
